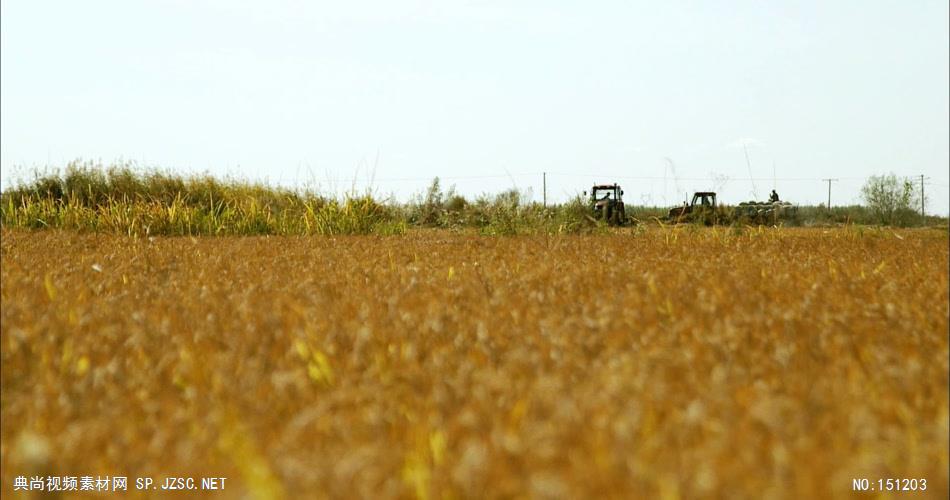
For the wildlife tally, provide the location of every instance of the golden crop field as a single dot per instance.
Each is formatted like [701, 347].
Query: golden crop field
[679, 362]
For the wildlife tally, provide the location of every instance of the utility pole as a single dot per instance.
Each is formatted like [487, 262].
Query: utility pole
[829, 191]
[544, 187]
[922, 216]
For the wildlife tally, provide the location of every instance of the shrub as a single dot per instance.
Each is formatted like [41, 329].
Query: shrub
[890, 199]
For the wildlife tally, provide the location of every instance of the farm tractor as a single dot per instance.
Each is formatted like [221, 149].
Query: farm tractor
[606, 204]
[701, 208]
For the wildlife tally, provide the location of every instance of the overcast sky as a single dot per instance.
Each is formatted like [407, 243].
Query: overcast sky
[663, 97]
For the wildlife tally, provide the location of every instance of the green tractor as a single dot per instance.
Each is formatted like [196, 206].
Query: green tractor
[606, 204]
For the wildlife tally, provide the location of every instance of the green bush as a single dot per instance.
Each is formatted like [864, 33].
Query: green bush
[890, 199]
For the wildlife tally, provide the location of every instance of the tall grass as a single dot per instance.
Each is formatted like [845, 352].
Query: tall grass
[860, 214]
[120, 199]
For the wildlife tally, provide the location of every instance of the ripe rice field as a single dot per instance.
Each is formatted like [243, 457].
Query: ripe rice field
[665, 362]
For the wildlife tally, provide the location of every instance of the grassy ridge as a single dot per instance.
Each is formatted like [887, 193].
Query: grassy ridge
[122, 199]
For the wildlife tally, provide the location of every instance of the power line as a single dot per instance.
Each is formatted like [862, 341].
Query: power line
[927, 181]
[456, 177]
[718, 179]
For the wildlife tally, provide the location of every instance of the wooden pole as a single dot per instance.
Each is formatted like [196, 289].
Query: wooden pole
[544, 187]
[829, 191]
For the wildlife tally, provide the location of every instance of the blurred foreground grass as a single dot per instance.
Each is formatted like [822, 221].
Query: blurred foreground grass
[667, 363]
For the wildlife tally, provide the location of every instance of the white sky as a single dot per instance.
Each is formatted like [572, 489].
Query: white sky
[488, 94]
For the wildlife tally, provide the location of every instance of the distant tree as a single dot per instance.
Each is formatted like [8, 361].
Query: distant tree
[890, 198]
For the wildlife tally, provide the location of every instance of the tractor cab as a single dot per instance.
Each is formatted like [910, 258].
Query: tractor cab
[602, 194]
[704, 199]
